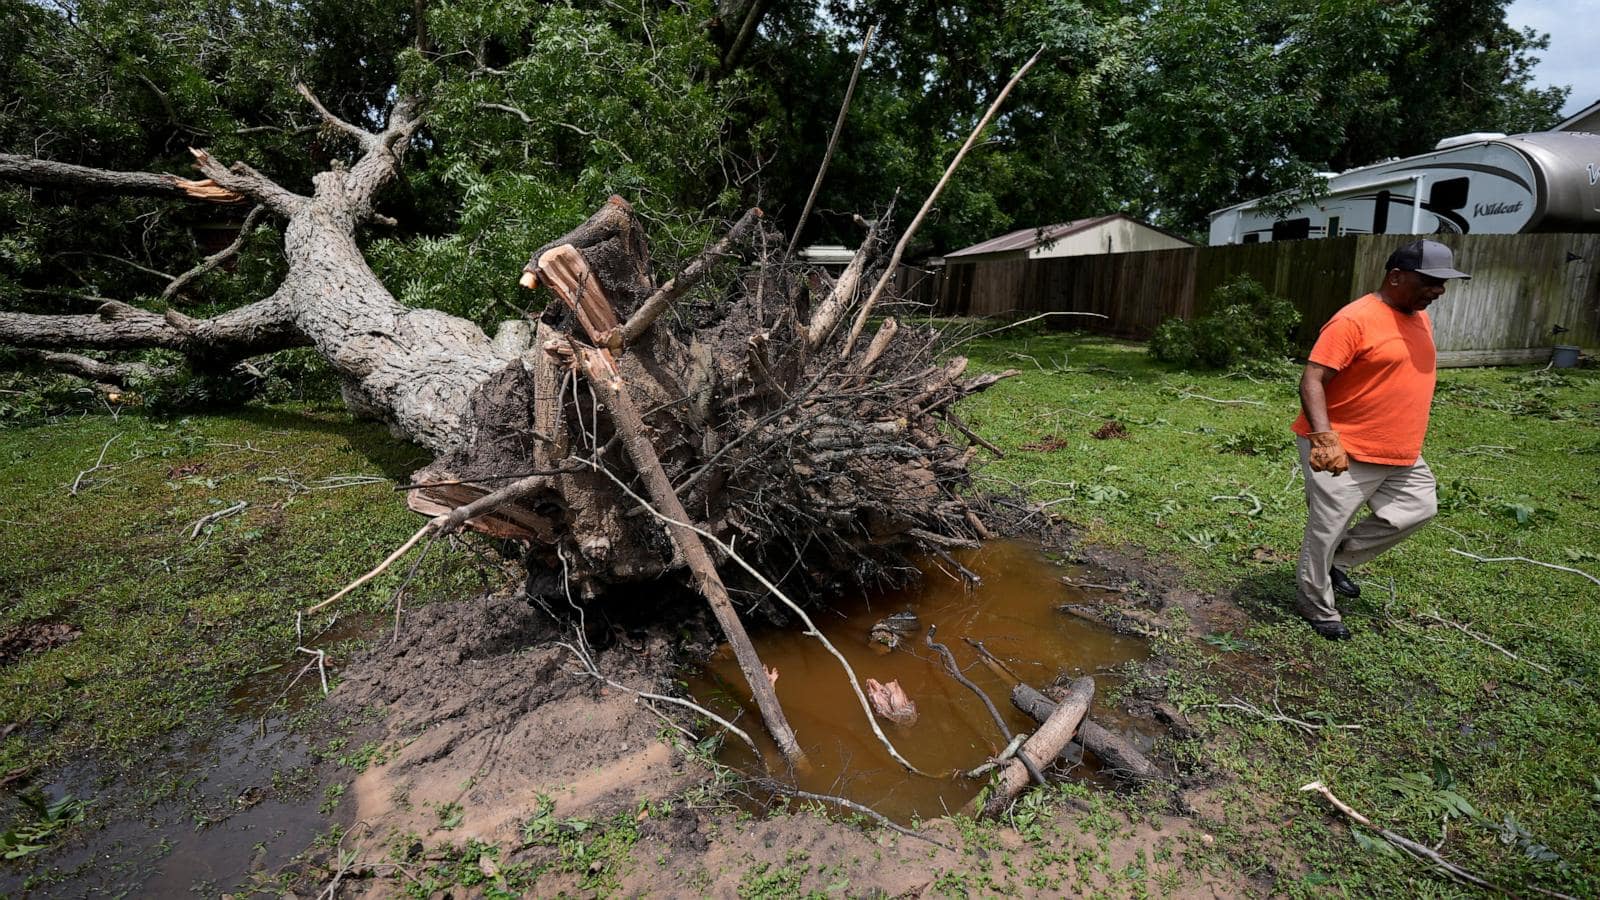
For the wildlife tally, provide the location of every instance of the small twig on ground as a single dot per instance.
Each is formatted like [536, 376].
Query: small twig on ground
[1243, 495]
[777, 788]
[98, 465]
[1485, 641]
[1417, 850]
[246, 447]
[344, 861]
[336, 482]
[322, 667]
[1111, 588]
[1524, 559]
[1190, 395]
[592, 671]
[411, 542]
[1277, 716]
[217, 516]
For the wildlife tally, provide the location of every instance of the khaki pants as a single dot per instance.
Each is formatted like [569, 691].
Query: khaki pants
[1402, 498]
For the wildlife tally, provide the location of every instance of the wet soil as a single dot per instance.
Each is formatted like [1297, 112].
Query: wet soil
[477, 717]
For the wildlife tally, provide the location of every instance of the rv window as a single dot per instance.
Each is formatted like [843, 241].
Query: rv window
[1449, 194]
[1252, 238]
[1380, 213]
[1291, 230]
[1333, 226]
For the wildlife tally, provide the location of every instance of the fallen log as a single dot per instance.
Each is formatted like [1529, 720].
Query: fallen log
[1116, 753]
[1046, 743]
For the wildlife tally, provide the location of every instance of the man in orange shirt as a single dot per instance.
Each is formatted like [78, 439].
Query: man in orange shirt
[1364, 401]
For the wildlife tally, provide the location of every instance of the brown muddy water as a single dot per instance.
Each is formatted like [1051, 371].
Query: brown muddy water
[1013, 612]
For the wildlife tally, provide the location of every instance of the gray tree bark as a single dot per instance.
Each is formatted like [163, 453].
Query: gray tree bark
[413, 368]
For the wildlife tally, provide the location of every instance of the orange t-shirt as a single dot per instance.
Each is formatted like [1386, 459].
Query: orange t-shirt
[1378, 402]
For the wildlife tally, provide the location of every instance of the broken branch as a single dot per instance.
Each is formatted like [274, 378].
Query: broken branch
[911, 230]
[1523, 559]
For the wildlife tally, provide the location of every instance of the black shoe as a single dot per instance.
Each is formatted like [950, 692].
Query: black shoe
[1342, 585]
[1333, 631]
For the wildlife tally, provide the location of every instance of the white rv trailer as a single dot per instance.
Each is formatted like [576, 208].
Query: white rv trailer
[1472, 184]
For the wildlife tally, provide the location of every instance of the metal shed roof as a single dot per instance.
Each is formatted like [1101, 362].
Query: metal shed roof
[1028, 238]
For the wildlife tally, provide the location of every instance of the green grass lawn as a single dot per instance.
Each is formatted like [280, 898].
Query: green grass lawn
[172, 623]
[174, 627]
[1207, 477]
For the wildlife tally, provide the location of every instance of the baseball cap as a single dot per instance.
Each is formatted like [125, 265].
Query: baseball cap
[1427, 257]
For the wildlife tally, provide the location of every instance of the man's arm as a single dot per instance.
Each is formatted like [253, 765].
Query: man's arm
[1327, 453]
[1314, 395]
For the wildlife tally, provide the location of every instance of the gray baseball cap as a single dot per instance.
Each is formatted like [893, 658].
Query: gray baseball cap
[1427, 257]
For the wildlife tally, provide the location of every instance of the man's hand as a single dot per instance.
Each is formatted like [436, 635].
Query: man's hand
[1327, 454]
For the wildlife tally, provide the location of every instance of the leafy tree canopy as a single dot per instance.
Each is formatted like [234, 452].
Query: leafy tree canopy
[1164, 109]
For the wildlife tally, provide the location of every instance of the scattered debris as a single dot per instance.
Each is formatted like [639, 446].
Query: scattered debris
[1111, 430]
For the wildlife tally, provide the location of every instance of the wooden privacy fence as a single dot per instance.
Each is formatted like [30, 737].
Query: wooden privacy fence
[1524, 287]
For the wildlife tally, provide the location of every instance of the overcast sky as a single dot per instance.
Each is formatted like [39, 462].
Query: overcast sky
[1574, 55]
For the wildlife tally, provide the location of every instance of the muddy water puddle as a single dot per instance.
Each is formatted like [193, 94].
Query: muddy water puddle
[1012, 612]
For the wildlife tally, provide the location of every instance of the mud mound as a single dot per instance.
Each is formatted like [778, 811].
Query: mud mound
[481, 716]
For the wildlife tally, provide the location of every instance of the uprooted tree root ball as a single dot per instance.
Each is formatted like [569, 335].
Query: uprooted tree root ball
[823, 469]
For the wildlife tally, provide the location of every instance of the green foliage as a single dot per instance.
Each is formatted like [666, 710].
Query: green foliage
[42, 824]
[580, 104]
[1246, 324]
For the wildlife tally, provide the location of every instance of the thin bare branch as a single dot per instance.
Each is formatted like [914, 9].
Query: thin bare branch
[1523, 559]
[218, 258]
[833, 142]
[411, 542]
[779, 788]
[363, 137]
[811, 628]
[911, 230]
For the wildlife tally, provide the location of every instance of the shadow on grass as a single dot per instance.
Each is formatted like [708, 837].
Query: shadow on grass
[395, 457]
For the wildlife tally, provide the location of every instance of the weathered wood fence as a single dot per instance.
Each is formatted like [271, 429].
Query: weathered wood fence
[1524, 287]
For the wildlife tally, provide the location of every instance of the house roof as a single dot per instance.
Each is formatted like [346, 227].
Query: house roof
[1581, 114]
[1028, 238]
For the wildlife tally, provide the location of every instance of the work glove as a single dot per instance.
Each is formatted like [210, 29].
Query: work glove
[1327, 454]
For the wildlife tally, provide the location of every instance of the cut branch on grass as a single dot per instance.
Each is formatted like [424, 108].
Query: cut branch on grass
[219, 515]
[1434, 617]
[1419, 851]
[1523, 559]
[98, 465]
[1278, 715]
[1191, 395]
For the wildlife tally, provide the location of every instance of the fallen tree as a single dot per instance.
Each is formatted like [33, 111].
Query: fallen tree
[759, 425]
